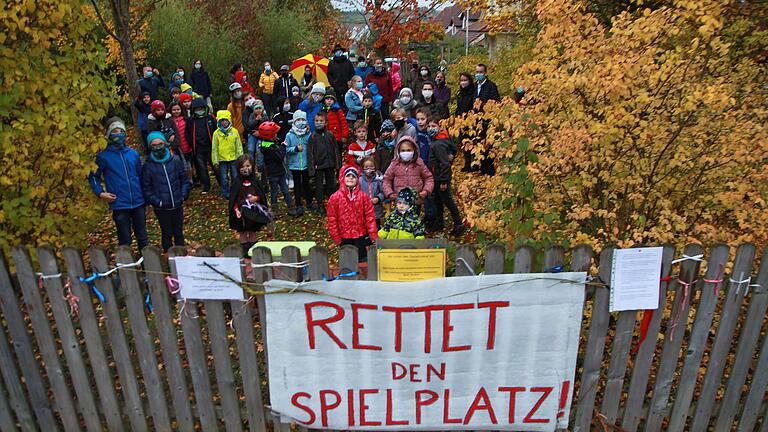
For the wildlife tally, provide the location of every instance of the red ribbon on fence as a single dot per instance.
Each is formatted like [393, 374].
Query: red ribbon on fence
[173, 284]
[74, 307]
[717, 281]
[683, 302]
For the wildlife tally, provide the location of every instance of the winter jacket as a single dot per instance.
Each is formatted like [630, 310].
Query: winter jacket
[168, 127]
[199, 131]
[142, 120]
[375, 96]
[355, 153]
[227, 146]
[363, 72]
[350, 214]
[323, 151]
[340, 71]
[297, 160]
[236, 109]
[181, 126]
[435, 107]
[242, 78]
[283, 85]
[383, 83]
[267, 82]
[120, 170]
[165, 185]
[407, 130]
[384, 155]
[488, 91]
[251, 123]
[372, 187]
[397, 80]
[151, 86]
[337, 124]
[413, 174]
[441, 153]
[442, 94]
[465, 99]
[372, 118]
[240, 187]
[285, 121]
[406, 225]
[354, 102]
[201, 82]
[422, 138]
[311, 109]
[274, 154]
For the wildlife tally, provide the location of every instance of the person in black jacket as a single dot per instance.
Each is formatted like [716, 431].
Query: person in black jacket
[323, 161]
[284, 118]
[283, 87]
[274, 155]
[248, 211]
[340, 71]
[151, 82]
[201, 82]
[199, 133]
[166, 186]
[428, 100]
[441, 154]
[466, 96]
[485, 88]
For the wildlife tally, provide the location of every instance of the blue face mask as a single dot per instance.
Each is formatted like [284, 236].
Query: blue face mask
[359, 85]
[479, 77]
[149, 74]
[178, 82]
[432, 132]
[117, 139]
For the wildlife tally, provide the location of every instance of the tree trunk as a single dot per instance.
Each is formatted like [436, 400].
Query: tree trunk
[121, 18]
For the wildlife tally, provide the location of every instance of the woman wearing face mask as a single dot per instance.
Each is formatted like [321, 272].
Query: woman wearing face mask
[442, 91]
[466, 97]
[313, 103]
[236, 107]
[354, 100]
[201, 82]
[419, 78]
[407, 170]
[406, 102]
[383, 81]
[307, 81]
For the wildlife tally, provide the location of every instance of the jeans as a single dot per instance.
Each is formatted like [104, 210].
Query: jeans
[268, 103]
[171, 227]
[429, 209]
[202, 160]
[279, 182]
[128, 219]
[251, 145]
[301, 187]
[227, 174]
[325, 180]
[445, 198]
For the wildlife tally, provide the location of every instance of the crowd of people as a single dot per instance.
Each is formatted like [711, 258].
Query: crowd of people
[366, 151]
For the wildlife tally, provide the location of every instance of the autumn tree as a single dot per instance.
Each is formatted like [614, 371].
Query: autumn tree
[653, 130]
[55, 91]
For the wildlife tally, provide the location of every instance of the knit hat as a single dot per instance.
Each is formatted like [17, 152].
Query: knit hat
[318, 88]
[115, 123]
[284, 68]
[351, 171]
[299, 114]
[295, 89]
[185, 97]
[387, 126]
[156, 135]
[407, 195]
[330, 93]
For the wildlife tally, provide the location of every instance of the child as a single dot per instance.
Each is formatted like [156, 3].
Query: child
[323, 160]
[297, 143]
[186, 104]
[386, 148]
[441, 155]
[407, 171]
[371, 116]
[370, 183]
[166, 186]
[404, 222]
[143, 108]
[284, 118]
[422, 138]
[361, 148]
[274, 153]
[199, 130]
[227, 147]
[402, 126]
[406, 102]
[376, 98]
[351, 218]
[161, 121]
[181, 126]
[253, 116]
[336, 123]
[248, 211]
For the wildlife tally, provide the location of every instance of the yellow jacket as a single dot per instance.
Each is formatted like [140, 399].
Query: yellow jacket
[267, 82]
[227, 146]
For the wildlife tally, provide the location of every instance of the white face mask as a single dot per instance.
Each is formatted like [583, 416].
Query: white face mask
[405, 100]
[427, 93]
[198, 66]
[287, 107]
[424, 72]
[406, 156]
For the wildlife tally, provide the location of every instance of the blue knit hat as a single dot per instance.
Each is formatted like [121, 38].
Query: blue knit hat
[407, 195]
[156, 135]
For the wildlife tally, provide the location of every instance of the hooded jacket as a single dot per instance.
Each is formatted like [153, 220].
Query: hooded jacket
[227, 146]
[383, 83]
[350, 214]
[406, 225]
[251, 184]
[120, 170]
[441, 152]
[200, 130]
[201, 82]
[168, 127]
[413, 174]
[323, 151]
[375, 95]
[373, 189]
[410, 107]
[337, 124]
[165, 185]
[241, 77]
[397, 81]
[297, 160]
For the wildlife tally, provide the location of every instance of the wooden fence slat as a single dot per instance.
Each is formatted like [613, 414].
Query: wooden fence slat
[757, 388]
[593, 356]
[750, 332]
[196, 356]
[465, 260]
[718, 356]
[348, 261]
[45, 340]
[262, 255]
[69, 343]
[222, 364]
[102, 373]
[617, 369]
[16, 396]
[318, 263]
[581, 261]
[494, 259]
[665, 373]
[523, 259]
[7, 424]
[242, 321]
[705, 311]
[554, 256]
[373, 262]
[120, 349]
[143, 340]
[166, 333]
[638, 384]
[290, 255]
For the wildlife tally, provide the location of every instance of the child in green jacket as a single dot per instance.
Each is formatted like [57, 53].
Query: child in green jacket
[404, 222]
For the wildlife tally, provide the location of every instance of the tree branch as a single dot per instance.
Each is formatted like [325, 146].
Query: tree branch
[104, 23]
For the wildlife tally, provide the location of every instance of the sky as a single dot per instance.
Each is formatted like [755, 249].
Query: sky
[349, 5]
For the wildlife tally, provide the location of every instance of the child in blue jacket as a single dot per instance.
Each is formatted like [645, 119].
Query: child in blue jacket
[297, 156]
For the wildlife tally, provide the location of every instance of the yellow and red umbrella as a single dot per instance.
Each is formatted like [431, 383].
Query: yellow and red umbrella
[318, 64]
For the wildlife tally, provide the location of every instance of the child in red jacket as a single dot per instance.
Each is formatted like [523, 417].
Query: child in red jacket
[351, 218]
[361, 148]
[337, 121]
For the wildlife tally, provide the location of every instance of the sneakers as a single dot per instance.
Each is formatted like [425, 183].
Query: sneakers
[458, 230]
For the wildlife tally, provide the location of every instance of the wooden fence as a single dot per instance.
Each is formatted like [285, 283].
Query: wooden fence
[115, 366]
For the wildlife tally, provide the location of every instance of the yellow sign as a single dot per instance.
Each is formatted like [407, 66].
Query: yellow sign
[408, 265]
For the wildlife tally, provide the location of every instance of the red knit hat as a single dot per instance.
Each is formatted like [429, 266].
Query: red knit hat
[156, 104]
[185, 97]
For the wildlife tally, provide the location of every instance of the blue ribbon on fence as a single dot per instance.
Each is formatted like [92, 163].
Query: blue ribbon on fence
[148, 302]
[554, 269]
[343, 275]
[90, 281]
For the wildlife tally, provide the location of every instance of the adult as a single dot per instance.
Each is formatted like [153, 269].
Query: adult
[267, 81]
[283, 86]
[151, 82]
[419, 77]
[429, 101]
[201, 82]
[313, 103]
[380, 76]
[236, 107]
[406, 102]
[307, 81]
[466, 96]
[362, 69]
[353, 99]
[340, 71]
[119, 169]
[486, 89]
[442, 91]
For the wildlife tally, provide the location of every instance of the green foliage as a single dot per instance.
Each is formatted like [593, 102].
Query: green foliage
[54, 90]
[179, 34]
[287, 35]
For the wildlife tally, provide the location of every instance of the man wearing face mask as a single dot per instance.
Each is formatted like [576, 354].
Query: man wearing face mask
[340, 72]
[383, 81]
[486, 89]
[361, 68]
[283, 86]
[151, 82]
[117, 180]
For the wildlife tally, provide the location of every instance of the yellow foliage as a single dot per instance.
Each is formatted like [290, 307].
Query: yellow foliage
[650, 132]
[54, 93]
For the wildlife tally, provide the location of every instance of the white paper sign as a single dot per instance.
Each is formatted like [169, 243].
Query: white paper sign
[635, 278]
[199, 282]
[463, 353]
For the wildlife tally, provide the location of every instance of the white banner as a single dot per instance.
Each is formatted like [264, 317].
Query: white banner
[462, 353]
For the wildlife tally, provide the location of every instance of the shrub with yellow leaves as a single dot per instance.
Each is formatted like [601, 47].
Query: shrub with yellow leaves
[652, 131]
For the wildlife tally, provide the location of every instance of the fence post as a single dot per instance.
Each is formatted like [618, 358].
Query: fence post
[465, 260]
[523, 260]
[757, 387]
[16, 395]
[7, 424]
[262, 255]
[292, 254]
[554, 256]
[494, 259]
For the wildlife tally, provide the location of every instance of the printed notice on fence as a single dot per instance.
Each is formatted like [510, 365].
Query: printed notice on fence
[635, 276]
[493, 352]
[408, 265]
[198, 281]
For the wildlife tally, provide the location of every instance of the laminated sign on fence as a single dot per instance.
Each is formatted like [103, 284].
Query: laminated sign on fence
[481, 352]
